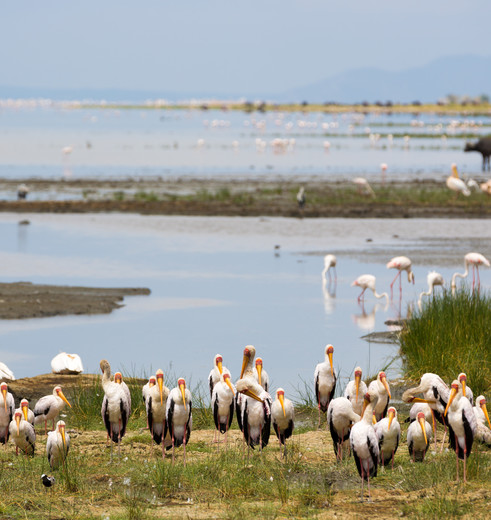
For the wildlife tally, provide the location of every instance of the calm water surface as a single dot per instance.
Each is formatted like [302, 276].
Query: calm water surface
[217, 285]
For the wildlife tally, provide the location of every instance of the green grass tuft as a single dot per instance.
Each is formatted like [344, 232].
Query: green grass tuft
[451, 334]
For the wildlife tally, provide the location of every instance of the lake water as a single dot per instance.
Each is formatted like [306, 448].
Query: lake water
[219, 284]
[170, 143]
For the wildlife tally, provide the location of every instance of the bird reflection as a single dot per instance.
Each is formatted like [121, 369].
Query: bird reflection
[329, 292]
[366, 320]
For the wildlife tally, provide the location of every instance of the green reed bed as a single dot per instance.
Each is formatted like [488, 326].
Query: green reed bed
[451, 334]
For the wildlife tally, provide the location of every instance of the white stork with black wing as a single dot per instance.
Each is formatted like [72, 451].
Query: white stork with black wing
[256, 412]
[7, 407]
[178, 417]
[222, 402]
[380, 386]
[156, 405]
[116, 405]
[22, 433]
[388, 432]
[340, 417]
[216, 372]
[418, 437]
[364, 442]
[325, 381]
[49, 406]
[462, 424]
[57, 445]
[355, 390]
[283, 415]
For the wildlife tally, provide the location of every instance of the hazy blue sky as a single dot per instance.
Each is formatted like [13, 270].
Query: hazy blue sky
[228, 46]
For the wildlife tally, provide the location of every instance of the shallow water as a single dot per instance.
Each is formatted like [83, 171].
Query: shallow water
[169, 143]
[219, 284]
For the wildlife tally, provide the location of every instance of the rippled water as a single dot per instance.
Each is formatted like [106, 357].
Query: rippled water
[219, 284]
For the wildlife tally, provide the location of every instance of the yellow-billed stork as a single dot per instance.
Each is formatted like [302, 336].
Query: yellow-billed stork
[57, 445]
[7, 409]
[216, 372]
[325, 381]
[116, 405]
[388, 432]
[261, 375]
[340, 417]
[418, 437]
[480, 411]
[178, 417]
[355, 390]
[462, 424]
[156, 405]
[49, 406]
[380, 386]
[22, 433]
[364, 442]
[283, 416]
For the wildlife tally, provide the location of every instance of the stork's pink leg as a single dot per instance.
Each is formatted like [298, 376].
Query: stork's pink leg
[457, 457]
[362, 479]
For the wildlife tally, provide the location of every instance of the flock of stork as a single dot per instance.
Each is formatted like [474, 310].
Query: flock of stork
[361, 422]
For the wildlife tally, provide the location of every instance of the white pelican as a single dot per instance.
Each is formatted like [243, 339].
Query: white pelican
[340, 417]
[329, 263]
[215, 373]
[355, 390]
[401, 263]
[466, 391]
[364, 443]
[433, 280]
[156, 405]
[22, 433]
[419, 437]
[325, 381]
[49, 406]
[152, 381]
[380, 386]
[456, 184]
[178, 416]
[26, 412]
[260, 375]
[247, 371]
[57, 445]
[283, 416]
[6, 373]
[116, 405]
[462, 424]
[256, 412]
[474, 260]
[480, 411]
[222, 402]
[7, 407]
[367, 281]
[64, 363]
[388, 432]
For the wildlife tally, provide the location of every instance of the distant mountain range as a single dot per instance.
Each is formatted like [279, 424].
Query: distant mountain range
[460, 75]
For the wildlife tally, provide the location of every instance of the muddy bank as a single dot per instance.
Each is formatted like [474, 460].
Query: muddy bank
[244, 197]
[22, 300]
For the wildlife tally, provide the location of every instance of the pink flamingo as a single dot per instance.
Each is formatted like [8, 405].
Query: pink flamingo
[401, 263]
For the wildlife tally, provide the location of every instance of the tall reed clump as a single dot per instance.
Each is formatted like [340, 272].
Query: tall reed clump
[449, 335]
